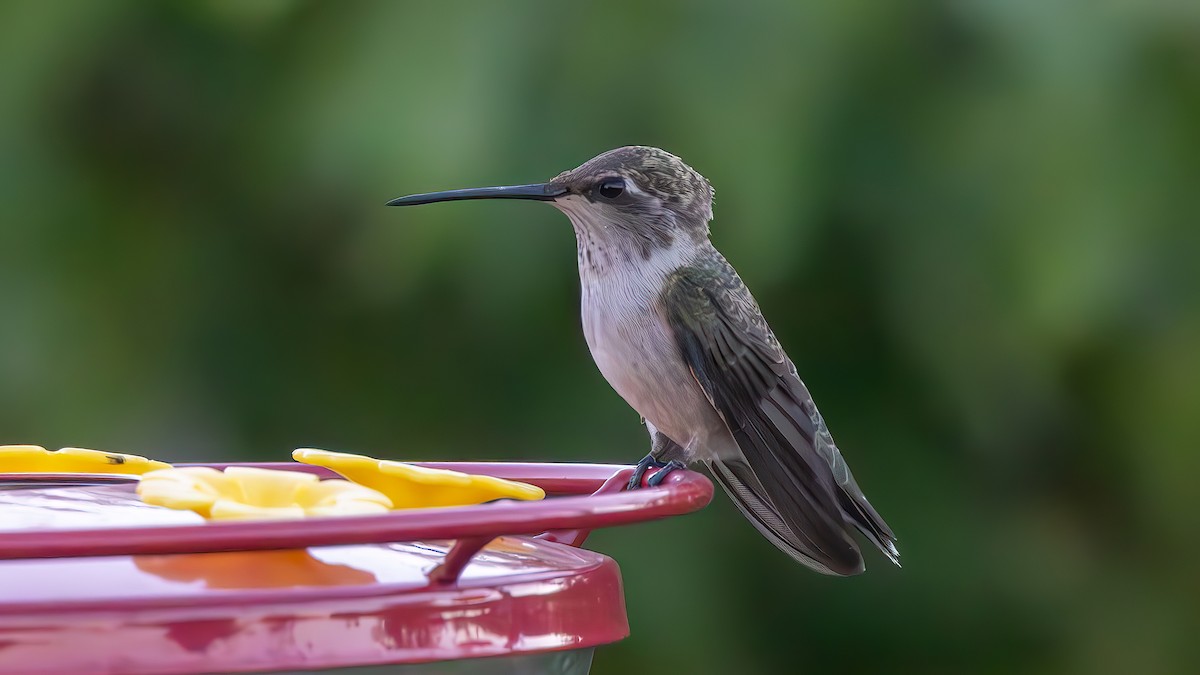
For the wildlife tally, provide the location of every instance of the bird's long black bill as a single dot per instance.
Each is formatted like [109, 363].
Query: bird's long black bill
[537, 191]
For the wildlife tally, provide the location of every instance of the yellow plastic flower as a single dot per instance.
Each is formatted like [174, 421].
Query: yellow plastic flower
[252, 493]
[410, 486]
[36, 459]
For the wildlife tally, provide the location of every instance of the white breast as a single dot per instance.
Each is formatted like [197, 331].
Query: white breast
[635, 350]
[624, 333]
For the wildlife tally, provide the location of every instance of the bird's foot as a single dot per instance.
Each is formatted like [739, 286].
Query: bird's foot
[661, 474]
[649, 462]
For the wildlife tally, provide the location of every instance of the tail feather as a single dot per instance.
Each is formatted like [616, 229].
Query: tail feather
[868, 521]
[748, 494]
[741, 483]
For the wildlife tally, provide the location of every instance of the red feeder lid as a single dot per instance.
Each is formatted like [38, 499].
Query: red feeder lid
[93, 580]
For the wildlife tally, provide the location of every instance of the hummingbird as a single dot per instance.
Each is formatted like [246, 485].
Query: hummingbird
[678, 335]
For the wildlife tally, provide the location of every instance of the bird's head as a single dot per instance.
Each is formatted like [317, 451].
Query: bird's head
[643, 193]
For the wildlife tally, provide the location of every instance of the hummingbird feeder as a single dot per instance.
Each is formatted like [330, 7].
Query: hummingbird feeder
[119, 564]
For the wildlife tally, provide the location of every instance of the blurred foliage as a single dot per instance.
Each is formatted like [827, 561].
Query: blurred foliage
[972, 224]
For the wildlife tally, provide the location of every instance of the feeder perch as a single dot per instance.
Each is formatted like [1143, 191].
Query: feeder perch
[93, 580]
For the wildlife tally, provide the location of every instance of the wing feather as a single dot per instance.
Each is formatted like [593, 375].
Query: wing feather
[791, 481]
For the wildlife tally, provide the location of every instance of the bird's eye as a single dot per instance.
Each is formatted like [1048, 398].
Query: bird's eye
[611, 188]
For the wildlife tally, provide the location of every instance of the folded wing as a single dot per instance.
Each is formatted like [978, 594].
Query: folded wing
[790, 480]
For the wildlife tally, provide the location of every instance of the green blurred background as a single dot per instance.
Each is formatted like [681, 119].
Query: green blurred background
[972, 224]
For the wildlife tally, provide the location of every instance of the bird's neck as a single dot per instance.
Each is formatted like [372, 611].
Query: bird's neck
[606, 249]
[616, 256]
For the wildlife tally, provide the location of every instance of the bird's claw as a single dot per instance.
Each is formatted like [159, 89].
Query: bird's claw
[661, 474]
[649, 462]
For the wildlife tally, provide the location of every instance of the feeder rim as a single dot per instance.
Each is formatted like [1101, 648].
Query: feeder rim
[581, 497]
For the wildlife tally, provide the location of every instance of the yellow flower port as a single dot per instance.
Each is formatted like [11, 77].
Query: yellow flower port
[245, 493]
[409, 486]
[373, 486]
[36, 459]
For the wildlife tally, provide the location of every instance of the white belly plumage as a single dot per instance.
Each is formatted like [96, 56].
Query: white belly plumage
[635, 352]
